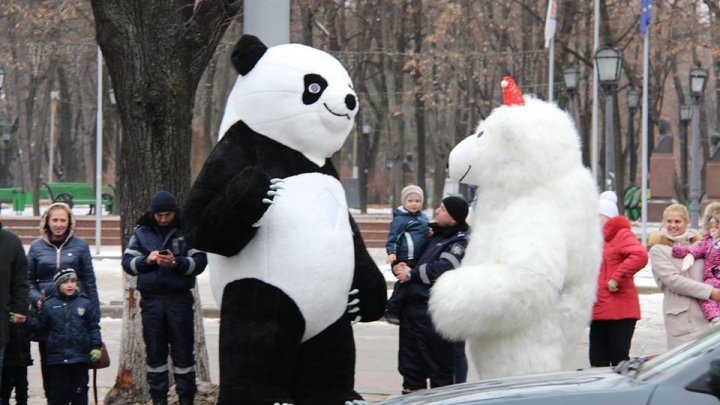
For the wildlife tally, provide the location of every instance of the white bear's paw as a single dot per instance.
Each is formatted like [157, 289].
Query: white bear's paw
[275, 185]
[356, 402]
[454, 306]
[353, 306]
[284, 403]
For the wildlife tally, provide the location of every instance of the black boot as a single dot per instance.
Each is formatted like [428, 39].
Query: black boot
[187, 400]
[159, 398]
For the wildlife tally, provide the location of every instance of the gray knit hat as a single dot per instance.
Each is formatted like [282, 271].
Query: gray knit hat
[411, 189]
[63, 276]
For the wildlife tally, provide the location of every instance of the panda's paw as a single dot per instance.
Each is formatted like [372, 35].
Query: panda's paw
[353, 306]
[357, 402]
[275, 185]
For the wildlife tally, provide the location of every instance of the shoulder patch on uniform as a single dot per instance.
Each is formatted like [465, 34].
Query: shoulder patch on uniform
[81, 311]
[457, 249]
[131, 242]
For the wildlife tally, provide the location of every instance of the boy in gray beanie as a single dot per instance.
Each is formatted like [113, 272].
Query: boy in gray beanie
[405, 242]
[72, 323]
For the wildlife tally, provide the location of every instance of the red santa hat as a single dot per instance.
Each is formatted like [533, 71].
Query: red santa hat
[511, 92]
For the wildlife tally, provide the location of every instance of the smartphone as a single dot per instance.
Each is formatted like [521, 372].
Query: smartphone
[163, 252]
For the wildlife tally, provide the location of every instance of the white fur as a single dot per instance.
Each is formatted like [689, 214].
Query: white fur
[269, 100]
[525, 290]
[304, 247]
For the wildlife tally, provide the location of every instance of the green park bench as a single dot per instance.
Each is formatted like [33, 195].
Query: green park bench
[78, 194]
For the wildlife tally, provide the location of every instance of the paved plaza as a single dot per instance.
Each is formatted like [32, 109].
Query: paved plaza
[377, 342]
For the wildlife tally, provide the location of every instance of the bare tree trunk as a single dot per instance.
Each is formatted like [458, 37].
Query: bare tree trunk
[155, 100]
[396, 149]
[418, 37]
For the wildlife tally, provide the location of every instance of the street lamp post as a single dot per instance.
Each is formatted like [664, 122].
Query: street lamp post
[698, 80]
[608, 61]
[2, 78]
[633, 101]
[54, 95]
[363, 163]
[686, 115]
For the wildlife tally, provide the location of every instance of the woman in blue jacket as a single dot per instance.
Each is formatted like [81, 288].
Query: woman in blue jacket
[58, 248]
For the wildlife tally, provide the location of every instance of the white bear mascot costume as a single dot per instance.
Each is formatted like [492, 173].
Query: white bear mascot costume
[524, 292]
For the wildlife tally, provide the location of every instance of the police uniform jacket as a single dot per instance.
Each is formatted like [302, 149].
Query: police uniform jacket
[444, 251]
[154, 279]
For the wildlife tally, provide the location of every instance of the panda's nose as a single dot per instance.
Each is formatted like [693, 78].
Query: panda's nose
[350, 102]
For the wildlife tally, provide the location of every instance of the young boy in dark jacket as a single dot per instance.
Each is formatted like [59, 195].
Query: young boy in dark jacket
[71, 321]
[405, 242]
[15, 363]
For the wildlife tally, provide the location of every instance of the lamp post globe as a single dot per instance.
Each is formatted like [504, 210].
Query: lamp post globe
[608, 61]
[111, 97]
[686, 112]
[633, 98]
[571, 74]
[698, 81]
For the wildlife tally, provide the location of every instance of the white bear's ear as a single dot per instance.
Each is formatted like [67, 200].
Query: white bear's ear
[247, 52]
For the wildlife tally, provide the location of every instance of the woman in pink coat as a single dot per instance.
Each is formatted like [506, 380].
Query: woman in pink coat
[617, 307]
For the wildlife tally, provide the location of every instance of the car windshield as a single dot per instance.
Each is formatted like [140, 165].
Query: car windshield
[681, 355]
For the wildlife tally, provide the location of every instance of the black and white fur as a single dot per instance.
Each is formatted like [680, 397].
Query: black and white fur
[286, 252]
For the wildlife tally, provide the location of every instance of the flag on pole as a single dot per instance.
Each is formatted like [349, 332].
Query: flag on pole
[550, 22]
[645, 17]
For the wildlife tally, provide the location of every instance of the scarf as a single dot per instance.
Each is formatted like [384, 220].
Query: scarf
[683, 239]
[57, 241]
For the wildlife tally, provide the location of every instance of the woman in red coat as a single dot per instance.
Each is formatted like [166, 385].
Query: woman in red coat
[617, 308]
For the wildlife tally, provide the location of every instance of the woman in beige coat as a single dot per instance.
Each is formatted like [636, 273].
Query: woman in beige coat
[684, 320]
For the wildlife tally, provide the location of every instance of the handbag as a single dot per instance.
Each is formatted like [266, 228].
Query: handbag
[103, 362]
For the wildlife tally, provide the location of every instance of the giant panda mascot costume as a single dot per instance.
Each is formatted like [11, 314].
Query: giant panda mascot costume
[524, 292]
[288, 260]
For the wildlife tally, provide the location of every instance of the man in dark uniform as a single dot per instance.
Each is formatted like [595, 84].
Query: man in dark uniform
[166, 268]
[423, 353]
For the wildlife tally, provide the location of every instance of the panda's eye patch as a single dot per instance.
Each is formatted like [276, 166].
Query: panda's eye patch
[480, 134]
[314, 87]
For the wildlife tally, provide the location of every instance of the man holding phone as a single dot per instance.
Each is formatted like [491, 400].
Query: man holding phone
[166, 268]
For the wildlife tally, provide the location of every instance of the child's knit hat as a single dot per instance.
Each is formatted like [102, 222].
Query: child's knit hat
[63, 276]
[411, 189]
[607, 204]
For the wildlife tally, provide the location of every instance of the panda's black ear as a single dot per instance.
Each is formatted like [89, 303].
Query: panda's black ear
[247, 52]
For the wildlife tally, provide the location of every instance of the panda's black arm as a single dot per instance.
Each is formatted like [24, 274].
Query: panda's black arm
[226, 199]
[209, 224]
[368, 280]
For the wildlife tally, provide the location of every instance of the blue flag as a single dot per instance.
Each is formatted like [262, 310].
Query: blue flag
[645, 16]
